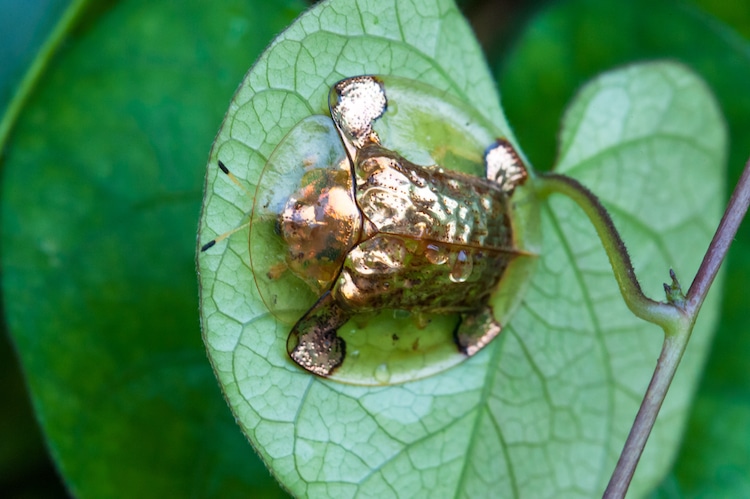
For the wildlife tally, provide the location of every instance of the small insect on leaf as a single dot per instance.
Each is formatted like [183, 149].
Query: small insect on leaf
[393, 238]
[293, 264]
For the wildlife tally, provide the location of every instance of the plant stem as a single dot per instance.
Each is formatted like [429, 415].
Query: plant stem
[674, 345]
[676, 340]
[659, 313]
[717, 250]
[677, 318]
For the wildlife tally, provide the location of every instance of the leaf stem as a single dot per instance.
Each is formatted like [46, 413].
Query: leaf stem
[677, 317]
[36, 70]
[650, 310]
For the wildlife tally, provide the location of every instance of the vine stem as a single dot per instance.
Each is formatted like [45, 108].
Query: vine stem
[677, 316]
[717, 250]
[644, 307]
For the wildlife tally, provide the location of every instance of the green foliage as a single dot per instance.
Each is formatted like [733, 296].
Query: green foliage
[545, 409]
[101, 193]
[570, 42]
[101, 182]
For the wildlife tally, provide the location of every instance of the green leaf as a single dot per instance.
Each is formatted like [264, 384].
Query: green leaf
[23, 457]
[544, 409]
[570, 42]
[733, 14]
[650, 141]
[100, 195]
[24, 28]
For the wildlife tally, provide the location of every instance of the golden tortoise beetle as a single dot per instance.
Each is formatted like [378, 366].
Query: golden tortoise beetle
[375, 231]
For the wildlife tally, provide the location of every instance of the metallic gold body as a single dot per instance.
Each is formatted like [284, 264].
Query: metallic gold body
[384, 233]
[433, 240]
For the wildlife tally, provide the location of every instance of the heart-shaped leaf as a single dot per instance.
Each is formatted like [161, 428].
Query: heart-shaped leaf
[544, 409]
[567, 43]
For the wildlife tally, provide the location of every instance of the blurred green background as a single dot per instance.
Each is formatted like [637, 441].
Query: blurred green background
[101, 185]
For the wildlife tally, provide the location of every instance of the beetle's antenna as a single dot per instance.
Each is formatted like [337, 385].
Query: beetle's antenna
[225, 235]
[234, 179]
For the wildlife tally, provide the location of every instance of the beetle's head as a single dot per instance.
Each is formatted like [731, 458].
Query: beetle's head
[320, 223]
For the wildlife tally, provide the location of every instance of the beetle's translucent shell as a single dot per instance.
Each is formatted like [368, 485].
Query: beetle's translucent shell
[310, 220]
[305, 166]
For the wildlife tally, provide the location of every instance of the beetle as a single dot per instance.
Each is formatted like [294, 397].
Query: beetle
[381, 232]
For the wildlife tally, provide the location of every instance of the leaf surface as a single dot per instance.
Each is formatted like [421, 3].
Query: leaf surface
[100, 193]
[543, 410]
[569, 42]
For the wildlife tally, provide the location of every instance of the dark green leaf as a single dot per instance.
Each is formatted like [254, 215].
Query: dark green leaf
[101, 192]
[23, 29]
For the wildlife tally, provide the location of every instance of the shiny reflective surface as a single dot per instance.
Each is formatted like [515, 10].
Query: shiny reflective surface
[295, 253]
[356, 104]
[388, 234]
[504, 166]
[320, 224]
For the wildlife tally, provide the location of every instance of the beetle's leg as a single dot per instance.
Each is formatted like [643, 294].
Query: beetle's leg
[476, 330]
[504, 166]
[355, 103]
[313, 342]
